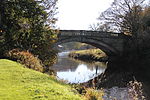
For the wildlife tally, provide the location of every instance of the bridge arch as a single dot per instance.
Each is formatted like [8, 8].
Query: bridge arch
[109, 50]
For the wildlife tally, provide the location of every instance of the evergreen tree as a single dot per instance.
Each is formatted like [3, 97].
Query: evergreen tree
[27, 25]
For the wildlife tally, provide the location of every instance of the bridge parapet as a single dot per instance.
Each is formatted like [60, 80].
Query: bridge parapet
[88, 33]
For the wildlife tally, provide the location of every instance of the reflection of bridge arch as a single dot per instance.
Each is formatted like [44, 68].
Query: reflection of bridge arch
[110, 43]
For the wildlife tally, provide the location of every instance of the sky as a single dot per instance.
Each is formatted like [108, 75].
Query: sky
[79, 14]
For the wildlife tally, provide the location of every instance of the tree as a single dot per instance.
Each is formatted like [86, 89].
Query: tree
[101, 27]
[124, 15]
[146, 17]
[27, 24]
[25, 21]
[130, 17]
[50, 6]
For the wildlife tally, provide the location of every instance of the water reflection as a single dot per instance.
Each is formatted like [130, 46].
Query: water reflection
[81, 74]
[76, 71]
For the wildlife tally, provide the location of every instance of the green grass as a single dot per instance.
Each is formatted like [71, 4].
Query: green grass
[95, 53]
[18, 83]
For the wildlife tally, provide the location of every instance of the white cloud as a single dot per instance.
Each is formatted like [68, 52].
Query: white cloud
[79, 14]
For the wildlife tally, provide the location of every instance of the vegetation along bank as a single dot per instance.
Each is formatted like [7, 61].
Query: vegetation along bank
[89, 55]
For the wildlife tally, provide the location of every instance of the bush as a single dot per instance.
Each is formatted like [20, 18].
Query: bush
[25, 58]
[135, 90]
[92, 94]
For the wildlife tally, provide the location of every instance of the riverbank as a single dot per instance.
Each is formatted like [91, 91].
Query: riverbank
[25, 84]
[121, 72]
[89, 55]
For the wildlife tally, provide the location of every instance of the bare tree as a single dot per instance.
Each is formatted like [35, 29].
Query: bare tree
[101, 27]
[124, 16]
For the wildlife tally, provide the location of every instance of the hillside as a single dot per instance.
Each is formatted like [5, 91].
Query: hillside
[18, 83]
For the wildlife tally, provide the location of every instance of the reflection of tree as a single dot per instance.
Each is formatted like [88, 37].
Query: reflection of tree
[96, 69]
[65, 64]
[92, 64]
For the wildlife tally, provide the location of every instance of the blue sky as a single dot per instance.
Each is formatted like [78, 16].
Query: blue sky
[79, 14]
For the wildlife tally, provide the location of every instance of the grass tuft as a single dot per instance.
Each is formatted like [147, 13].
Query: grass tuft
[92, 94]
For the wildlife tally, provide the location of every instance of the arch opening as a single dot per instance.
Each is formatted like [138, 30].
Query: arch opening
[107, 49]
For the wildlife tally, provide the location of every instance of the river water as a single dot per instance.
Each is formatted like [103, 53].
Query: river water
[73, 71]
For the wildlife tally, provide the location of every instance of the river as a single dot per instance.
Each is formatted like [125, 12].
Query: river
[73, 71]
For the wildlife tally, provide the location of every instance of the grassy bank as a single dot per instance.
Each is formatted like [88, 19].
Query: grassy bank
[89, 54]
[18, 83]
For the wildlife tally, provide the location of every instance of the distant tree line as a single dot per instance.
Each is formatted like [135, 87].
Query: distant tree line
[28, 25]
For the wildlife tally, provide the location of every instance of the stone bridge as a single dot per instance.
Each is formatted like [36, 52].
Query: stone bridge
[110, 43]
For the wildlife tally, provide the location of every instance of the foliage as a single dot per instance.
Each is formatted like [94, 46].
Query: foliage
[123, 16]
[27, 25]
[26, 58]
[135, 90]
[89, 93]
[75, 46]
[50, 5]
[24, 84]
[129, 17]
[101, 27]
[93, 54]
[92, 94]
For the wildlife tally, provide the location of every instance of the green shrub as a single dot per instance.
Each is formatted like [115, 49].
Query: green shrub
[25, 58]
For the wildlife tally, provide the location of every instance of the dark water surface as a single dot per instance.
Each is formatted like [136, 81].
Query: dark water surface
[76, 71]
